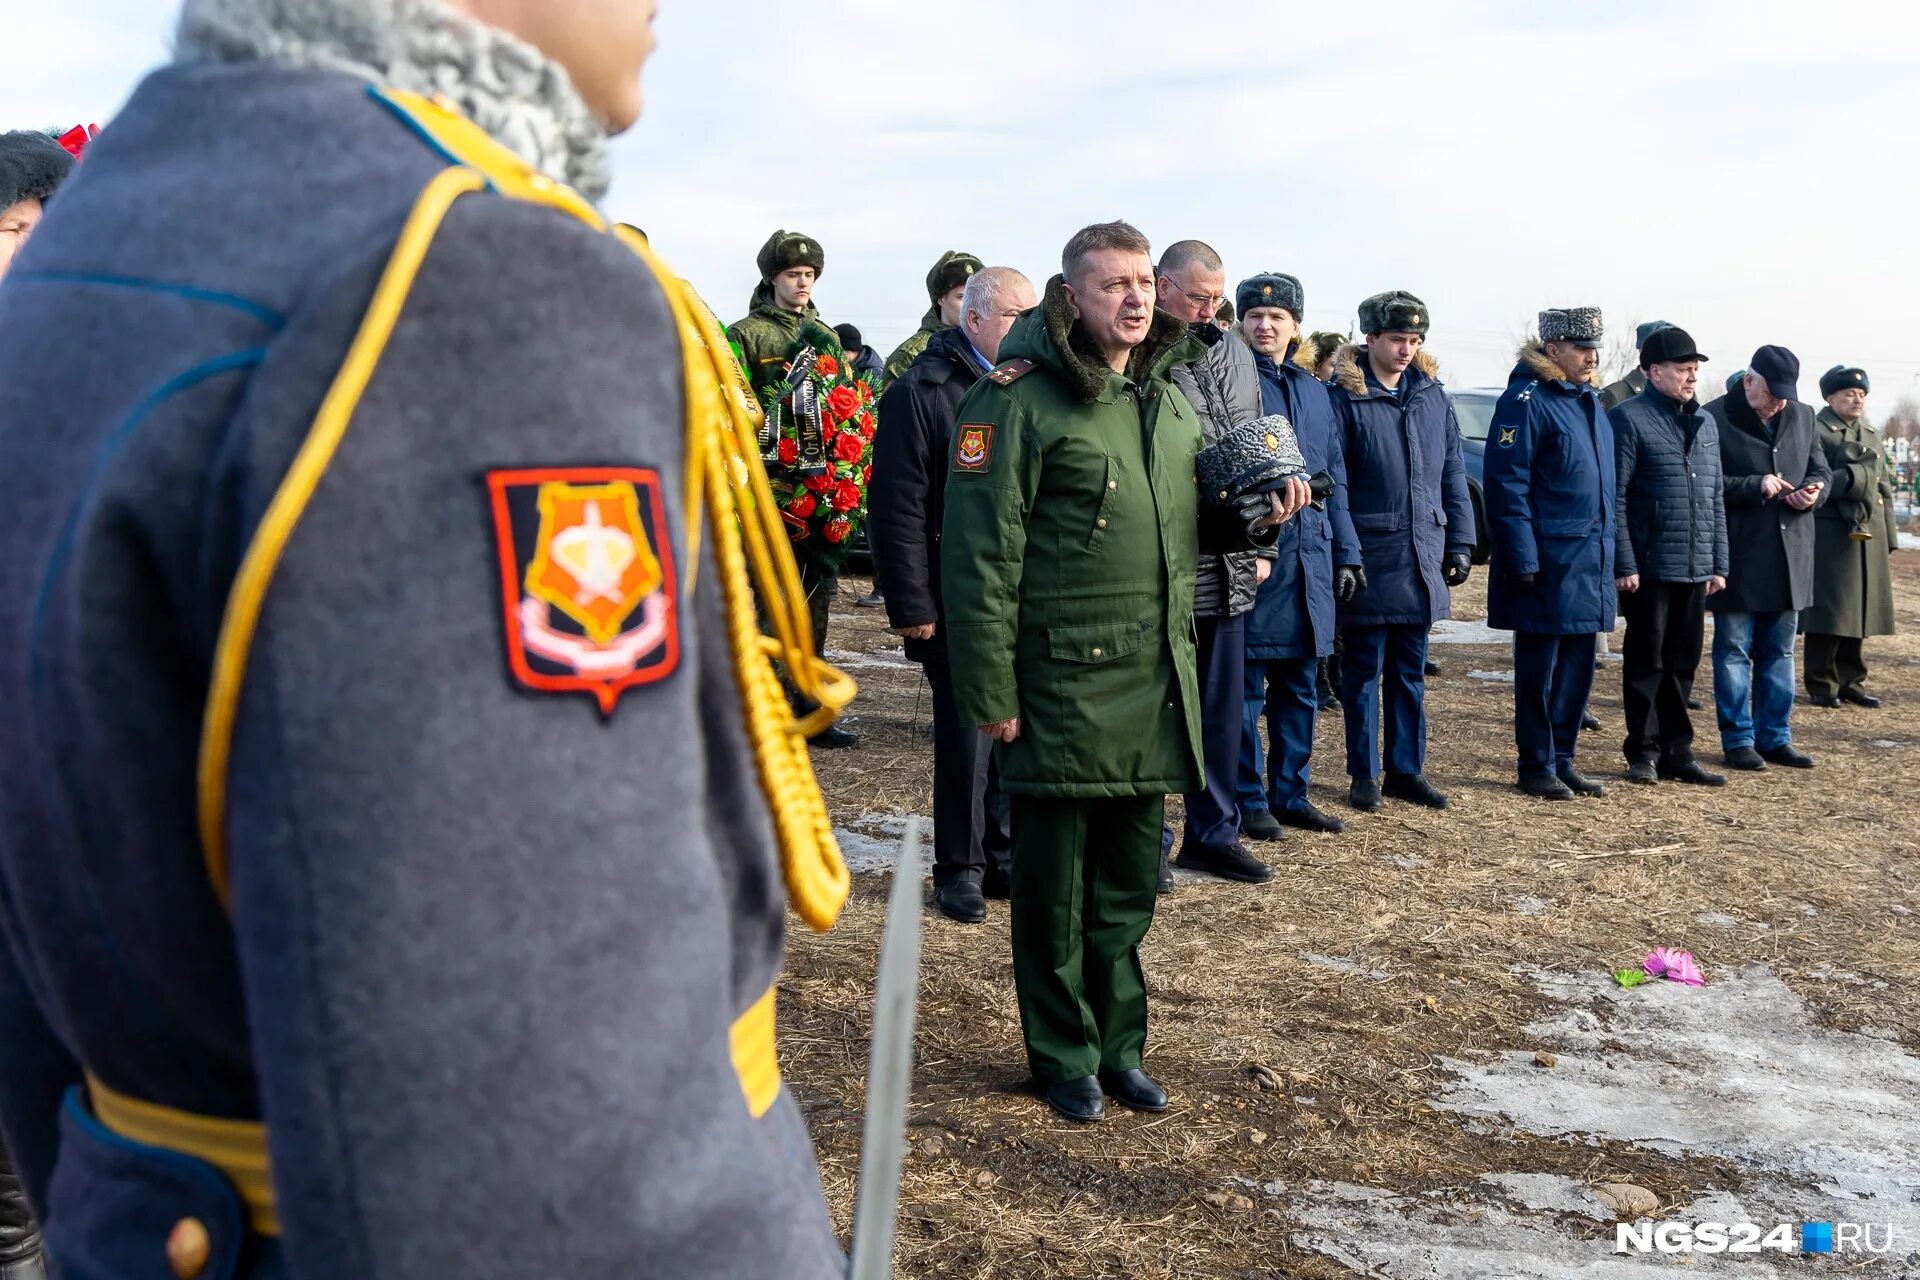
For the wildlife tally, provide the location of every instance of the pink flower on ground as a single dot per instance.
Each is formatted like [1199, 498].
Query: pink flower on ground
[1674, 966]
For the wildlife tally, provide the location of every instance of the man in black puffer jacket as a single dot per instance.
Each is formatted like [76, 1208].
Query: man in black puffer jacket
[971, 842]
[1670, 554]
[1224, 389]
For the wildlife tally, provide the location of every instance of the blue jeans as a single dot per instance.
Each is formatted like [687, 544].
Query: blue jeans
[1282, 690]
[1753, 663]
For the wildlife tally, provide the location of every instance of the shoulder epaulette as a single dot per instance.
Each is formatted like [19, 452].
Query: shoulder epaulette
[1526, 392]
[1010, 372]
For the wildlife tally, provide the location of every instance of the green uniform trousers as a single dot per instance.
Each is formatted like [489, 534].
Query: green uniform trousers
[1083, 898]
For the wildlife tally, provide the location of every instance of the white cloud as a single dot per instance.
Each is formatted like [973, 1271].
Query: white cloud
[1745, 171]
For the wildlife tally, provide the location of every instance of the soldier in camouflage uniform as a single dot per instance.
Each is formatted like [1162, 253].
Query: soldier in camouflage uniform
[945, 285]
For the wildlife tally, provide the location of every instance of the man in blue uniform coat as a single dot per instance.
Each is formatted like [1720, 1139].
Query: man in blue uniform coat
[1550, 511]
[386, 885]
[1292, 624]
[1407, 490]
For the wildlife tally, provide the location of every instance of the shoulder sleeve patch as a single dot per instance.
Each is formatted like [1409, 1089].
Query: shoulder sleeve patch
[973, 446]
[588, 593]
[1010, 372]
[1507, 435]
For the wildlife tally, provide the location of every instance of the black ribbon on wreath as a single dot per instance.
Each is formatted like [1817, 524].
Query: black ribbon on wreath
[802, 401]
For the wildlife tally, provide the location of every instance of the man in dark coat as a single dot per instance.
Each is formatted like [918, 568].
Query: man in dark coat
[1775, 475]
[780, 320]
[946, 282]
[1636, 380]
[1550, 513]
[1407, 492]
[861, 358]
[1854, 541]
[402, 803]
[1066, 573]
[1224, 389]
[1670, 554]
[1291, 628]
[906, 502]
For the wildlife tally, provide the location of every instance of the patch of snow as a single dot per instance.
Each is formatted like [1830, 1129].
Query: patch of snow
[1492, 677]
[1531, 906]
[1409, 861]
[1342, 965]
[1456, 631]
[1718, 919]
[1909, 541]
[1886, 744]
[871, 842]
[883, 660]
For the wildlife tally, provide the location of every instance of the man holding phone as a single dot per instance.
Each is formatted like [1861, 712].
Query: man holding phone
[1775, 474]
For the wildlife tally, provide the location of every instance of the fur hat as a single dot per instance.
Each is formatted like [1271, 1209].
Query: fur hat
[31, 166]
[1271, 289]
[952, 272]
[1579, 325]
[1394, 311]
[1840, 377]
[785, 250]
[1647, 329]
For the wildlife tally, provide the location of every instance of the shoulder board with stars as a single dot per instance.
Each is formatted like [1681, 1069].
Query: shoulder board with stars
[1010, 372]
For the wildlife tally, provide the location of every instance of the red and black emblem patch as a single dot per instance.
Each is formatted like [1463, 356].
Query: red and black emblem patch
[586, 579]
[973, 446]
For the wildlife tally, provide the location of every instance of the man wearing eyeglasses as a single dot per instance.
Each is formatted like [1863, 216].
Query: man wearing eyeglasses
[1224, 388]
[971, 842]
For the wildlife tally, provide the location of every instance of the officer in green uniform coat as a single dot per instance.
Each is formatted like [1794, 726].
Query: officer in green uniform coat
[1854, 537]
[1067, 567]
[945, 285]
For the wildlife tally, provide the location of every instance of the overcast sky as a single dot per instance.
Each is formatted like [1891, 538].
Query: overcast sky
[1745, 170]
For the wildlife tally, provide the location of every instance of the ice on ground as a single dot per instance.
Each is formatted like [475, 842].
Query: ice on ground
[882, 660]
[1886, 744]
[871, 841]
[1826, 1122]
[1909, 541]
[1718, 919]
[1531, 906]
[1493, 677]
[1340, 964]
[1459, 631]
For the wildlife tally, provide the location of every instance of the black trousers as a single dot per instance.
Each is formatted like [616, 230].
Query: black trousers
[1666, 622]
[1835, 664]
[972, 818]
[1220, 650]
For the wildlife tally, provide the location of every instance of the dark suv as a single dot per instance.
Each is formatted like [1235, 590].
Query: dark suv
[1473, 409]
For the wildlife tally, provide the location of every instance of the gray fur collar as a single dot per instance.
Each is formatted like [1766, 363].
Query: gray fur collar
[506, 86]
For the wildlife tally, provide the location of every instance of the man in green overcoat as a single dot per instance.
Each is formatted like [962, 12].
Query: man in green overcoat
[1853, 539]
[1067, 564]
[782, 318]
[946, 284]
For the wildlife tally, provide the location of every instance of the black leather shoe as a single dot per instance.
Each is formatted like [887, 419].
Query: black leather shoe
[1579, 783]
[835, 738]
[1642, 773]
[996, 882]
[1746, 759]
[1545, 788]
[1325, 694]
[1135, 1090]
[1690, 771]
[1822, 700]
[1079, 1099]
[1787, 756]
[1163, 881]
[960, 900]
[1414, 789]
[1258, 824]
[1364, 795]
[1229, 862]
[1433, 668]
[1859, 698]
[1310, 817]
[872, 600]
[1693, 703]
[1589, 722]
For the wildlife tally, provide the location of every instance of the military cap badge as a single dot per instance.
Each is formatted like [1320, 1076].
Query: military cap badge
[587, 579]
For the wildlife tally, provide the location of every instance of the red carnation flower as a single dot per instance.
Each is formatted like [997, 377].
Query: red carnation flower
[846, 495]
[843, 402]
[838, 530]
[789, 451]
[804, 505]
[848, 447]
[827, 366]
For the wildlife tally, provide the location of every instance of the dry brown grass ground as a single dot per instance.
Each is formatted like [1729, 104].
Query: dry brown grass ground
[1284, 1068]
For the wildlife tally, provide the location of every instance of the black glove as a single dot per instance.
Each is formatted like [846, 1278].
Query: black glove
[1320, 488]
[1455, 569]
[1252, 510]
[1522, 581]
[1349, 580]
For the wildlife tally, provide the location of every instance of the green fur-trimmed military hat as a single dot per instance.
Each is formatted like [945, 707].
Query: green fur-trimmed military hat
[1581, 326]
[1842, 376]
[1394, 311]
[785, 250]
[1647, 329]
[1272, 289]
[952, 271]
